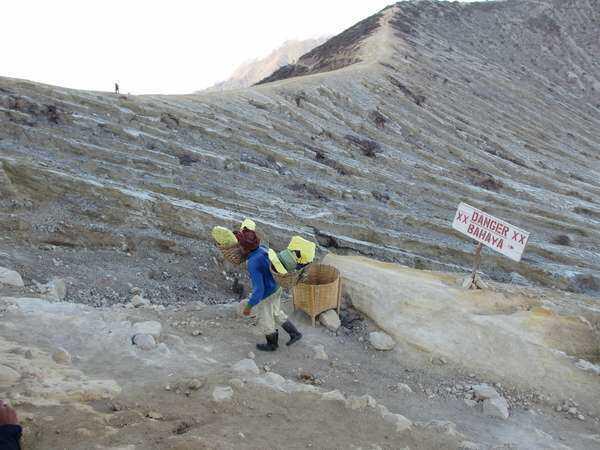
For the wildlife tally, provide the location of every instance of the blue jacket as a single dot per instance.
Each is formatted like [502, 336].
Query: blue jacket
[10, 437]
[263, 283]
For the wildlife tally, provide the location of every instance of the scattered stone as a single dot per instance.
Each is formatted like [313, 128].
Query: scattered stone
[8, 376]
[138, 301]
[135, 291]
[29, 354]
[330, 320]
[466, 445]
[222, 393]
[439, 361]
[470, 403]
[381, 341]
[55, 290]
[144, 341]
[484, 392]
[580, 416]
[196, 333]
[404, 388]
[399, 421]
[334, 395]
[155, 415]
[151, 327]
[251, 355]
[10, 277]
[496, 407]
[246, 366]
[61, 356]
[572, 410]
[195, 384]
[320, 352]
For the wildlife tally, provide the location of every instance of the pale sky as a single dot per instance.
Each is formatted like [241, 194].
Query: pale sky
[149, 46]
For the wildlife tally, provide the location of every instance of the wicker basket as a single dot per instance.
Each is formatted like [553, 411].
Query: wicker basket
[233, 254]
[290, 279]
[319, 291]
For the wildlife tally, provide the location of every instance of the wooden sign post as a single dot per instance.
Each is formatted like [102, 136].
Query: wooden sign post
[492, 232]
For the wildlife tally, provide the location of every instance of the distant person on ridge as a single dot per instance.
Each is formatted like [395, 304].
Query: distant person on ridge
[266, 294]
[10, 430]
[117, 88]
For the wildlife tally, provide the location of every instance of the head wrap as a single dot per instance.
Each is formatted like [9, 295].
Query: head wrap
[247, 240]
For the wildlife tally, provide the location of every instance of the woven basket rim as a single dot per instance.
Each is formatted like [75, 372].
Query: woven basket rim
[317, 267]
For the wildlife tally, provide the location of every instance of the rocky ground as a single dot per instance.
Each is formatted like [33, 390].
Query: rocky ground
[80, 382]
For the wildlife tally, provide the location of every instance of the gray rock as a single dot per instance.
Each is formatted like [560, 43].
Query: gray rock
[138, 300]
[10, 277]
[320, 352]
[144, 341]
[404, 388]
[400, 422]
[330, 320]
[484, 392]
[195, 384]
[466, 445]
[55, 290]
[247, 366]
[61, 356]
[496, 407]
[8, 376]
[381, 341]
[151, 327]
[222, 393]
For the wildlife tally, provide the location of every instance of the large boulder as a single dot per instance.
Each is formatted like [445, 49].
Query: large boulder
[10, 277]
[505, 336]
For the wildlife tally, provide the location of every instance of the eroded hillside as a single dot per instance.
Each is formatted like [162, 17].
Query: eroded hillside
[430, 104]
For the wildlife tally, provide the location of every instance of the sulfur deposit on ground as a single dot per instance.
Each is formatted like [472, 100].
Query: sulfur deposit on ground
[525, 339]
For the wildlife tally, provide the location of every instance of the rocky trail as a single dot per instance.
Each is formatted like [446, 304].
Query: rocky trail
[82, 378]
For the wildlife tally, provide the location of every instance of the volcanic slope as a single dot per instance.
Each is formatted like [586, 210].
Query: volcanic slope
[367, 144]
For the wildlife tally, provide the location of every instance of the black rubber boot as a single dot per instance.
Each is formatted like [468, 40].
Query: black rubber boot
[271, 344]
[290, 329]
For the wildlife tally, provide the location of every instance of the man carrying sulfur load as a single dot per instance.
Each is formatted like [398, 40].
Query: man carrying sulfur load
[266, 294]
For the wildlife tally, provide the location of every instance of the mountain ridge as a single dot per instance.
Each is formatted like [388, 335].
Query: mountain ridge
[254, 70]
